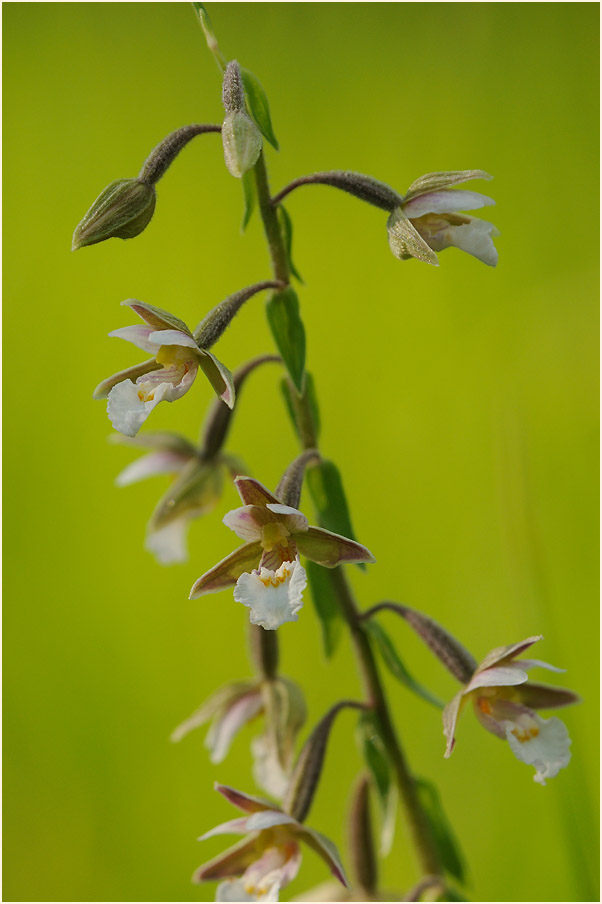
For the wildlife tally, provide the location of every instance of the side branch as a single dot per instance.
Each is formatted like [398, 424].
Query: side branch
[160, 158]
[363, 187]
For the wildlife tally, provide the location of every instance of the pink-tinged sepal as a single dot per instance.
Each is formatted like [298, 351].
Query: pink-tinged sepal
[541, 696]
[232, 827]
[137, 335]
[450, 717]
[226, 573]
[501, 654]
[172, 337]
[130, 373]
[330, 549]
[247, 521]
[252, 492]
[245, 802]
[219, 376]
[498, 676]
[327, 850]
[155, 317]
[232, 862]
[445, 202]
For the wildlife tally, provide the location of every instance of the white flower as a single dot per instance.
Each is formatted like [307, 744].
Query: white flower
[274, 597]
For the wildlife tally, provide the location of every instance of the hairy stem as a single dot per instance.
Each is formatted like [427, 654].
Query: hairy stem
[425, 846]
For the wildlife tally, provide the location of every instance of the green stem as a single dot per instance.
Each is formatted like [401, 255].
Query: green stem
[424, 842]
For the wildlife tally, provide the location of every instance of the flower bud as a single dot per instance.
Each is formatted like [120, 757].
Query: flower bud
[361, 842]
[122, 210]
[242, 143]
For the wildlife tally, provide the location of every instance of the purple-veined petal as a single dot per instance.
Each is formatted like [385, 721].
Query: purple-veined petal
[445, 202]
[542, 743]
[168, 542]
[126, 410]
[236, 826]
[226, 573]
[542, 696]
[232, 862]
[246, 522]
[252, 492]
[172, 337]
[330, 549]
[219, 376]
[450, 717]
[499, 676]
[475, 238]
[157, 318]
[442, 180]
[155, 463]
[325, 848]
[137, 335]
[405, 241]
[538, 664]
[267, 819]
[246, 802]
[272, 559]
[130, 373]
[222, 733]
[273, 597]
[292, 518]
[509, 652]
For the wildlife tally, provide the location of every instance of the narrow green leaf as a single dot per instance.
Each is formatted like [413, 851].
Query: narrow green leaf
[303, 410]
[287, 227]
[250, 195]
[395, 665]
[289, 333]
[258, 105]
[376, 760]
[445, 840]
[210, 37]
[324, 600]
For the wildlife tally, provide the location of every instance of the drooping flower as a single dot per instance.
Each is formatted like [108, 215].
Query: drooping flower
[258, 867]
[240, 703]
[266, 572]
[168, 375]
[505, 703]
[195, 490]
[429, 219]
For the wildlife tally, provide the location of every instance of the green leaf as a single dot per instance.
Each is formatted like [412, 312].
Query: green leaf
[303, 410]
[258, 105]
[377, 761]
[324, 600]
[445, 841]
[289, 333]
[395, 665]
[250, 195]
[450, 894]
[286, 225]
[326, 489]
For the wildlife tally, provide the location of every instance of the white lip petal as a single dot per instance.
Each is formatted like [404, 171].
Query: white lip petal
[543, 743]
[168, 543]
[445, 202]
[234, 890]
[475, 239]
[274, 597]
[126, 410]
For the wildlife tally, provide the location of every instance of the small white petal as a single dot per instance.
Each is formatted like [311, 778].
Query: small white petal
[171, 337]
[267, 771]
[543, 743]
[475, 239]
[274, 597]
[445, 202]
[168, 543]
[163, 462]
[222, 734]
[137, 335]
[234, 890]
[126, 410]
[246, 522]
[291, 517]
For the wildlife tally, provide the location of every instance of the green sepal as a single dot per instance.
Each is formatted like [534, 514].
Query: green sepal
[445, 841]
[258, 106]
[250, 196]
[377, 761]
[395, 665]
[289, 333]
[286, 225]
[327, 493]
[324, 600]
[303, 410]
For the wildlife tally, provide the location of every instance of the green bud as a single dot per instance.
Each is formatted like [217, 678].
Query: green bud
[122, 210]
[242, 143]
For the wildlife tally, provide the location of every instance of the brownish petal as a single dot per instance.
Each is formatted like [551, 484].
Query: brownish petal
[227, 572]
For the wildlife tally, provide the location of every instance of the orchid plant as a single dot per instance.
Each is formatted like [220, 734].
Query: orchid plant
[282, 553]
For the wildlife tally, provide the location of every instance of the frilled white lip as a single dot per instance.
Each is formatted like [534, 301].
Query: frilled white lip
[542, 743]
[274, 597]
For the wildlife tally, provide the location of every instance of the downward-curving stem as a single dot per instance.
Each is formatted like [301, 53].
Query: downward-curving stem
[423, 839]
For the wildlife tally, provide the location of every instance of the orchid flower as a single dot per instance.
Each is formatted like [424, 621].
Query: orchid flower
[429, 219]
[266, 572]
[505, 703]
[168, 375]
[195, 490]
[259, 866]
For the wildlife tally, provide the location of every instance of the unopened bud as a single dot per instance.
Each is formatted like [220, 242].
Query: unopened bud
[361, 843]
[242, 143]
[291, 482]
[233, 93]
[213, 325]
[123, 210]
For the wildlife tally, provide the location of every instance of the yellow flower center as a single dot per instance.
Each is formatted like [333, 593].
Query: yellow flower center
[275, 578]
[274, 534]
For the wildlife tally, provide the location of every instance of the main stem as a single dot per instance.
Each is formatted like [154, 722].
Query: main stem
[425, 846]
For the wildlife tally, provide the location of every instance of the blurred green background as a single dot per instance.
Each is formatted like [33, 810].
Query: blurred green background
[460, 404]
